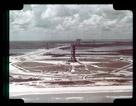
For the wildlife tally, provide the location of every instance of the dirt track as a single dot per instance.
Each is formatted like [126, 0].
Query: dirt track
[50, 67]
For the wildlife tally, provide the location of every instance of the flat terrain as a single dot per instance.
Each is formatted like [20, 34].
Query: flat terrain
[76, 97]
[99, 65]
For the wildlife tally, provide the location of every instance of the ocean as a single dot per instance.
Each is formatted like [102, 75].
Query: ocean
[21, 47]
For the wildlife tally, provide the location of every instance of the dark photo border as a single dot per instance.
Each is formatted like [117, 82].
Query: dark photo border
[6, 6]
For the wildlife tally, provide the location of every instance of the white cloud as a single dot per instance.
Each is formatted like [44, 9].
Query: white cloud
[110, 24]
[20, 20]
[69, 21]
[99, 21]
[48, 13]
[126, 19]
[59, 27]
[21, 17]
[93, 21]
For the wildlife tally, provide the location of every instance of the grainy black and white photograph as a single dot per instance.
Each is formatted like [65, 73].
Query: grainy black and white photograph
[71, 54]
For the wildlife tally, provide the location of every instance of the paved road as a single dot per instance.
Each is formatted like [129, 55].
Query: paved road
[105, 97]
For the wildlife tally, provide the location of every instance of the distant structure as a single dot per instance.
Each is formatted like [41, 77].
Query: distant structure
[47, 47]
[73, 58]
[78, 41]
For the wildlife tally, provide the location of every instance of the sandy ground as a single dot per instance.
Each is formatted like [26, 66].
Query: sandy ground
[41, 72]
[23, 90]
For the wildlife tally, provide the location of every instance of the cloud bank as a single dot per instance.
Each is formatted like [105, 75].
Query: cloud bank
[69, 22]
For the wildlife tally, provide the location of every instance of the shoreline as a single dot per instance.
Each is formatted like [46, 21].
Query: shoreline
[64, 90]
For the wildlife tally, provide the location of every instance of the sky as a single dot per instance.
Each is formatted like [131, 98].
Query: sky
[70, 22]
